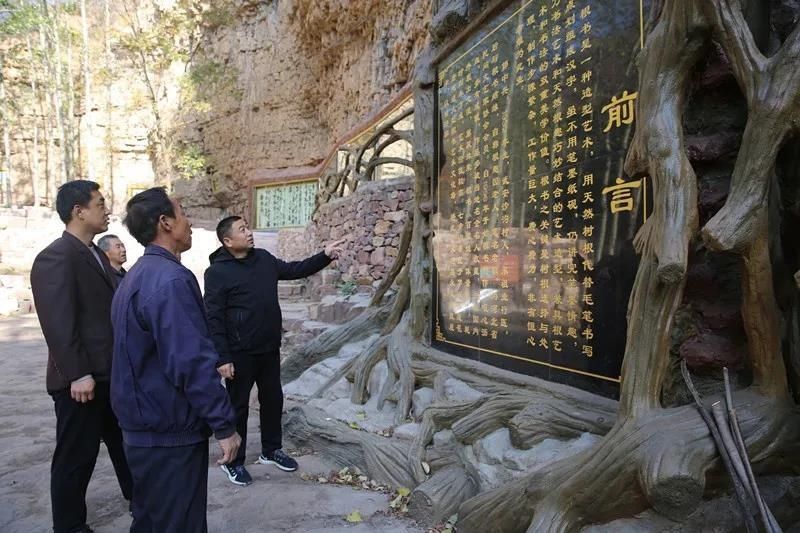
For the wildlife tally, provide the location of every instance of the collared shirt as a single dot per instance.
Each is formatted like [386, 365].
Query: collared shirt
[96, 255]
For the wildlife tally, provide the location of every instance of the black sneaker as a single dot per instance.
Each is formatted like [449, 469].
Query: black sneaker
[238, 475]
[279, 459]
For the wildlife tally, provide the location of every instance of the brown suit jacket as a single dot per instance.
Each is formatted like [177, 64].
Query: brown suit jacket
[73, 299]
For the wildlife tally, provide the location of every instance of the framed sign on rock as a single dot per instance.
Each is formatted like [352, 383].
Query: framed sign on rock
[535, 218]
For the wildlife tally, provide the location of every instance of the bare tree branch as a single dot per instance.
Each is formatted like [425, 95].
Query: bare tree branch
[735, 36]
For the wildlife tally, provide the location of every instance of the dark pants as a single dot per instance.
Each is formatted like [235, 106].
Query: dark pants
[263, 370]
[171, 488]
[79, 429]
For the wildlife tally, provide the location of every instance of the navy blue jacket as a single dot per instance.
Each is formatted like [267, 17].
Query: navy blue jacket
[242, 299]
[165, 389]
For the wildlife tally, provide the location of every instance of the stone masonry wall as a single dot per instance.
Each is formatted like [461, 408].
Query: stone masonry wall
[372, 219]
[292, 244]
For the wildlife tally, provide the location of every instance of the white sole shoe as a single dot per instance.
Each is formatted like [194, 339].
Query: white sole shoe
[264, 461]
[232, 478]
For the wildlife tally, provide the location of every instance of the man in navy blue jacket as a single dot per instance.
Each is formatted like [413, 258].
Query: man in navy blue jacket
[241, 296]
[165, 389]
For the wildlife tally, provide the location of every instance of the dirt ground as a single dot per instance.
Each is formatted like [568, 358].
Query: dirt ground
[276, 501]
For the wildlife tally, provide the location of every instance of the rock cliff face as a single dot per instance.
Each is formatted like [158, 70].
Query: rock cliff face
[271, 125]
[302, 74]
[308, 71]
[365, 53]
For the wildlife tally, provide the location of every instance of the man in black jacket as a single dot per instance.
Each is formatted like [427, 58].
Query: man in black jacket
[72, 288]
[241, 297]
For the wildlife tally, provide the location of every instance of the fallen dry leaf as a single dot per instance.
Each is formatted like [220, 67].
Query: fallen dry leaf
[399, 503]
[446, 527]
[395, 504]
[354, 517]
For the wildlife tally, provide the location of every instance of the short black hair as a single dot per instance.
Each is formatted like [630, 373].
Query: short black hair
[224, 227]
[143, 212]
[72, 193]
[105, 242]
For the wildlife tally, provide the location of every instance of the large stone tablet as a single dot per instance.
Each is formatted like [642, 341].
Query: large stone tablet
[535, 217]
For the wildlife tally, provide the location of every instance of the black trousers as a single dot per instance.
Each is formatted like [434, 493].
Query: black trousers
[171, 488]
[263, 370]
[79, 429]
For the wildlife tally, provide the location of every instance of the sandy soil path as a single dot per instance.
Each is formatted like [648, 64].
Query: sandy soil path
[277, 501]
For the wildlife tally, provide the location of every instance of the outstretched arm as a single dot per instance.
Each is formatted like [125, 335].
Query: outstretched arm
[312, 265]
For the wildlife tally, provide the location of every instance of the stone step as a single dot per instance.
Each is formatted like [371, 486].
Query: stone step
[303, 333]
[13, 281]
[294, 315]
[291, 289]
[15, 295]
[336, 309]
[8, 303]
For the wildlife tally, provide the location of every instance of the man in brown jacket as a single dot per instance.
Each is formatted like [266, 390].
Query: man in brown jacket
[72, 289]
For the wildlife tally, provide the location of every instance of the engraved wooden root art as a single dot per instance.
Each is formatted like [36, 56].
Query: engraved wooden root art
[650, 456]
[657, 457]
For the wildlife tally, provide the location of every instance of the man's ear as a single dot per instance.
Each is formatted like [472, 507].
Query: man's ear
[165, 222]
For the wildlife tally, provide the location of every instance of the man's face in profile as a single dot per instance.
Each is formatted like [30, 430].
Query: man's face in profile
[117, 253]
[182, 227]
[94, 215]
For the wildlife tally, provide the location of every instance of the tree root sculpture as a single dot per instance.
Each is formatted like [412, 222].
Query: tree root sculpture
[440, 496]
[638, 465]
[381, 457]
[328, 343]
[771, 86]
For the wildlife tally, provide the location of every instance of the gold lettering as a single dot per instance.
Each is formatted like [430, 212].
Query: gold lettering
[620, 110]
[621, 197]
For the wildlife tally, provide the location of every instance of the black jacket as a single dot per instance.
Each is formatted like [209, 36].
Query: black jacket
[118, 274]
[73, 295]
[241, 297]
